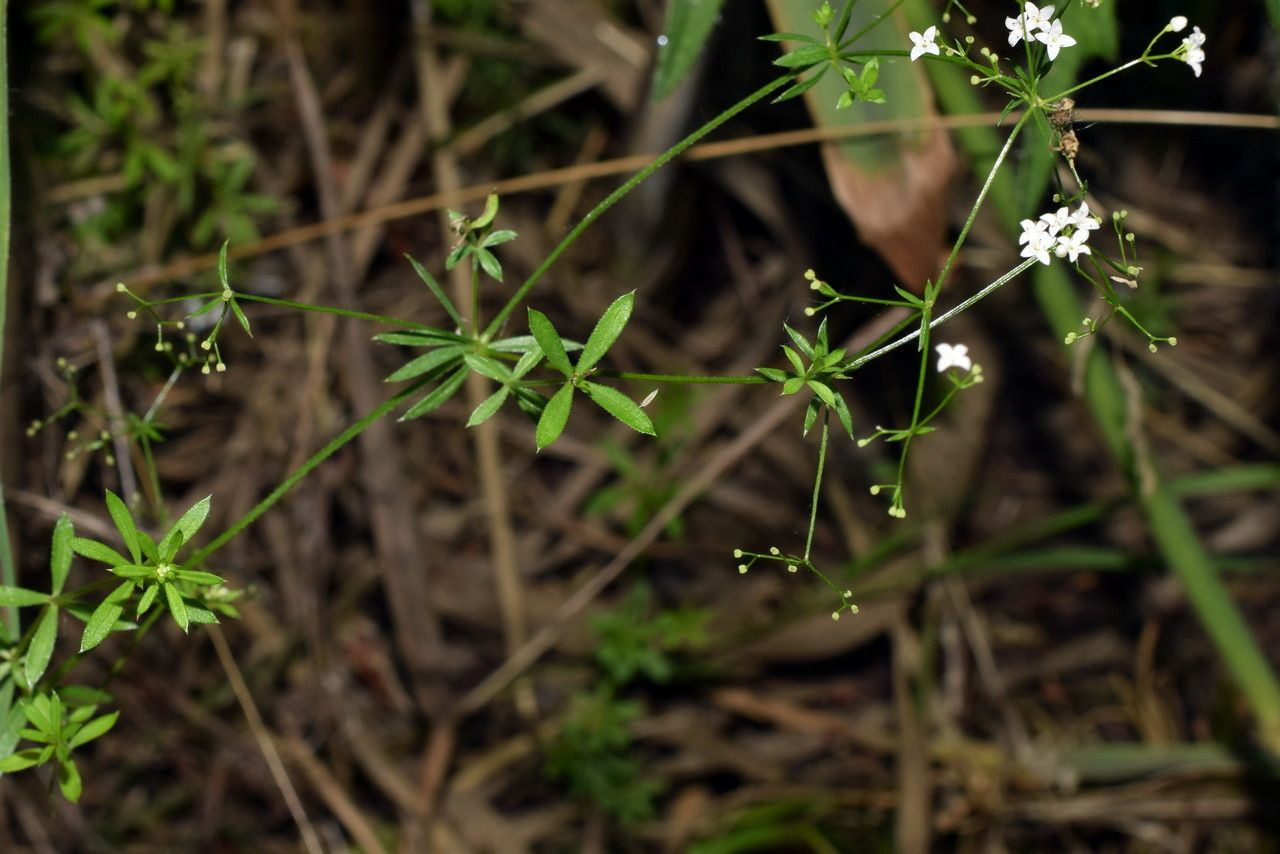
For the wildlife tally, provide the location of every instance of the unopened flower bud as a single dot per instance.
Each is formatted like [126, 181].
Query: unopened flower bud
[1177, 23]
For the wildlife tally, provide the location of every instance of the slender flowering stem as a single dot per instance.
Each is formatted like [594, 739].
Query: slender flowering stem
[8, 573]
[614, 197]
[945, 316]
[686, 379]
[817, 488]
[329, 309]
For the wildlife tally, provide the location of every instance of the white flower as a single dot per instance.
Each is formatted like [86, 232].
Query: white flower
[1177, 23]
[1073, 245]
[953, 356]
[1055, 222]
[1054, 39]
[1083, 219]
[1038, 240]
[1193, 49]
[923, 43]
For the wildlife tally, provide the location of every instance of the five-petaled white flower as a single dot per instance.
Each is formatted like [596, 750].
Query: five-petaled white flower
[923, 43]
[1054, 39]
[953, 356]
[1056, 221]
[1072, 245]
[1038, 240]
[1193, 49]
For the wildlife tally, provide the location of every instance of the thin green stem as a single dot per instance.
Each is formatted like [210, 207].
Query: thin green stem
[1076, 88]
[686, 379]
[614, 197]
[329, 309]
[817, 488]
[8, 572]
[302, 471]
[945, 316]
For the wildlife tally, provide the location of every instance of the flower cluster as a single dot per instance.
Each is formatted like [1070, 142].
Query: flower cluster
[1193, 49]
[1038, 23]
[1064, 233]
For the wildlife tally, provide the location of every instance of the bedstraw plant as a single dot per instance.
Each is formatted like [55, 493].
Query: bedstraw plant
[543, 371]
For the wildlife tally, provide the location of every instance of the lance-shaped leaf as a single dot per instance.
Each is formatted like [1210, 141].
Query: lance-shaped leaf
[554, 416]
[437, 291]
[42, 641]
[177, 607]
[620, 407]
[438, 396]
[69, 782]
[21, 597]
[124, 524]
[427, 362]
[549, 340]
[95, 550]
[688, 24]
[488, 407]
[60, 554]
[104, 617]
[608, 328]
[95, 728]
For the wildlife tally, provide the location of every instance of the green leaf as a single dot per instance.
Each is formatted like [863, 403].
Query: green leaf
[811, 415]
[196, 576]
[608, 328]
[149, 548]
[800, 341]
[788, 37]
[124, 524]
[489, 263]
[60, 554]
[20, 761]
[802, 57]
[843, 23]
[147, 599]
[527, 362]
[93, 729]
[772, 374]
[197, 613]
[459, 252]
[488, 407]
[223, 279]
[793, 385]
[206, 308]
[191, 521]
[620, 407]
[177, 607]
[794, 358]
[554, 417]
[21, 597]
[488, 214]
[438, 292]
[498, 238]
[823, 392]
[95, 550]
[239, 313]
[438, 396]
[687, 26]
[104, 617]
[909, 297]
[69, 780]
[801, 87]
[488, 367]
[42, 641]
[419, 337]
[39, 712]
[549, 340]
[426, 363]
[842, 412]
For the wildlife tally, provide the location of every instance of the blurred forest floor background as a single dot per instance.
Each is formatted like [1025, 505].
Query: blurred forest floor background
[1025, 674]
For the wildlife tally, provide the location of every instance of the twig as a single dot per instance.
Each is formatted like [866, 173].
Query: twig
[310, 840]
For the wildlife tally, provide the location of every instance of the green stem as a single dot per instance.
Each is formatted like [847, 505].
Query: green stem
[1076, 88]
[817, 489]
[329, 309]
[614, 197]
[300, 472]
[8, 572]
[687, 379]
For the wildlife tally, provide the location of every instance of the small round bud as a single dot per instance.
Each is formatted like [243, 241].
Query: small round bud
[226, 294]
[1130, 237]
[742, 569]
[180, 325]
[159, 346]
[204, 369]
[1177, 24]
[848, 594]
[1152, 347]
[1070, 339]
[810, 311]
[737, 552]
[791, 567]
[835, 615]
[946, 17]
[862, 443]
[120, 288]
[1133, 271]
[974, 79]
[110, 459]
[1173, 342]
[206, 344]
[61, 362]
[220, 367]
[875, 489]
[774, 550]
[132, 315]
[73, 435]
[810, 275]
[970, 20]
